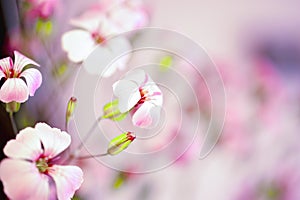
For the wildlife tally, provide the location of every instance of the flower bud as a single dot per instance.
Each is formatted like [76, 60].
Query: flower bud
[70, 108]
[119, 143]
[111, 111]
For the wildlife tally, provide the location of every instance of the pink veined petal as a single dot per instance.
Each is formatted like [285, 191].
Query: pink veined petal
[27, 145]
[146, 116]
[78, 44]
[22, 180]
[54, 140]
[14, 89]
[127, 93]
[21, 61]
[33, 79]
[5, 65]
[67, 179]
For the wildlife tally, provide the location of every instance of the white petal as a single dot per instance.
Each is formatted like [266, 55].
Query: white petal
[67, 179]
[98, 62]
[22, 180]
[33, 79]
[127, 93]
[137, 75]
[146, 116]
[54, 140]
[129, 18]
[14, 89]
[27, 145]
[21, 61]
[5, 65]
[78, 44]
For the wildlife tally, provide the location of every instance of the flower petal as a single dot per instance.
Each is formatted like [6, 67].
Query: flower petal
[138, 76]
[98, 61]
[54, 140]
[21, 61]
[127, 93]
[33, 79]
[22, 180]
[146, 116]
[27, 145]
[67, 180]
[5, 65]
[14, 89]
[78, 44]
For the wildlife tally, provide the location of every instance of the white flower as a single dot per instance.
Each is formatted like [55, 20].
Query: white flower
[138, 94]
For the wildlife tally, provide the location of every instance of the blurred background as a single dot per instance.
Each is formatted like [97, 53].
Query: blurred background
[255, 46]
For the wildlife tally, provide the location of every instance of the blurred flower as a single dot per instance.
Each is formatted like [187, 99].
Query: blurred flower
[41, 8]
[19, 82]
[96, 25]
[32, 165]
[120, 143]
[139, 94]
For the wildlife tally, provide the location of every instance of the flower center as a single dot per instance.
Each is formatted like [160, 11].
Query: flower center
[143, 96]
[98, 38]
[42, 165]
[11, 74]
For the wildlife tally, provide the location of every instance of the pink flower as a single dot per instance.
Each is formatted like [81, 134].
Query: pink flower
[19, 82]
[41, 8]
[32, 167]
[138, 94]
[95, 26]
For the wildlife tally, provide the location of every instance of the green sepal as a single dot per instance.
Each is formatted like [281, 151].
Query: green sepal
[111, 111]
[13, 107]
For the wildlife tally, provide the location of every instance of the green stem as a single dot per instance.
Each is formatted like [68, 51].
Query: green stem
[77, 149]
[13, 123]
[91, 156]
[89, 133]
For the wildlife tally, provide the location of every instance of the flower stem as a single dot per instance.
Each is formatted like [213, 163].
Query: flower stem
[91, 156]
[13, 123]
[77, 149]
[89, 133]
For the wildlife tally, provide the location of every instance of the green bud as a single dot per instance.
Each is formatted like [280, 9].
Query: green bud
[120, 143]
[70, 108]
[111, 111]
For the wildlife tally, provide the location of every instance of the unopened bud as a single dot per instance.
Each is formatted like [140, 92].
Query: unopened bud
[119, 143]
[111, 111]
[70, 108]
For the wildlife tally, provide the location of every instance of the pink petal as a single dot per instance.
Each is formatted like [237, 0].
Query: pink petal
[54, 140]
[21, 61]
[14, 89]
[22, 180]
[78, 44]
[33, 79]
[127, 93]
[5, 65]
[68, 179]
[27, 145]
[146, 116]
